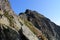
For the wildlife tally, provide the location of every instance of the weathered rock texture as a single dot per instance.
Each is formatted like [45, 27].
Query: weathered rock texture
[47, 30]
[29, 25]
[11, 26]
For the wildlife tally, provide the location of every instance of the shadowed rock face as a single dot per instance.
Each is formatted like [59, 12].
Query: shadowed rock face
[23, 37]
[48, 28]
[8, 33]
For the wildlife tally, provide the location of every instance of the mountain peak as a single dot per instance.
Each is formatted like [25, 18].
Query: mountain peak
[29, 25]
[27, 11]
[32, 14]
[42, 23]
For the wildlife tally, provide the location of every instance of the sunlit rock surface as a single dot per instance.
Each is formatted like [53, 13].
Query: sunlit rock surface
[29, 25]
[11, 26]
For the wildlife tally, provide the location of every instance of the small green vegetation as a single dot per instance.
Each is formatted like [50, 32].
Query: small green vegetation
[34, 30]
[5, 0]
[10, 17]
[30, 26]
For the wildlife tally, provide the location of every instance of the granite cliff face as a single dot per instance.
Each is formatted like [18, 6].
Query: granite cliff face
[29, 25]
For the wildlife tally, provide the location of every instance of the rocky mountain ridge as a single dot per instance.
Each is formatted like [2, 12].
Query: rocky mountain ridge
[48, 29]
[29, 25]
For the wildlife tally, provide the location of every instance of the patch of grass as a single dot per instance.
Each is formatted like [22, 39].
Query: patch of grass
[30, 26]
[37, 32]
[34, 30]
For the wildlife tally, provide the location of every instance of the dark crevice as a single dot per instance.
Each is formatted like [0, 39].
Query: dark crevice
[23, 37]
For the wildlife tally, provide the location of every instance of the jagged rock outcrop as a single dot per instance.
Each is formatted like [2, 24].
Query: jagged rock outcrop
[11, 27]
[49, 30]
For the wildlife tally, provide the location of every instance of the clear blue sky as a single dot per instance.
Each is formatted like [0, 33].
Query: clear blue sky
[49, 8]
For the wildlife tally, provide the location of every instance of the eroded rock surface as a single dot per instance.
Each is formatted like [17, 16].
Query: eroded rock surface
[29, 25]
[50, 30]
[11, 27]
